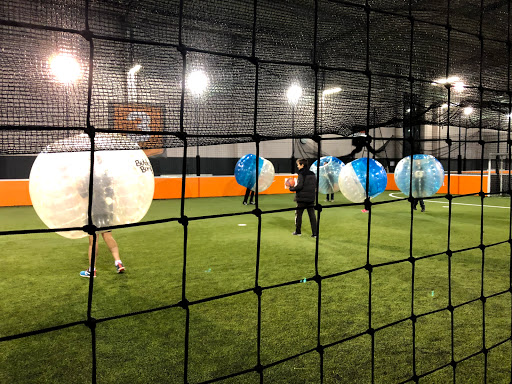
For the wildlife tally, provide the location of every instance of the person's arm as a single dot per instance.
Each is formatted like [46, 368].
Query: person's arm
[300, 183]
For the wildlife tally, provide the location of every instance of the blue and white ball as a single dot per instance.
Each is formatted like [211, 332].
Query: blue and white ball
[352, 179]
[245, 172]
[330, 168]
[427, 175]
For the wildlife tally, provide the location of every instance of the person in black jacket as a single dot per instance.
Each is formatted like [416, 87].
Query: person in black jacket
[305, 194]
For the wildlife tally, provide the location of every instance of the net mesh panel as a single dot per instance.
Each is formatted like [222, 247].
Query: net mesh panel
[384, 55]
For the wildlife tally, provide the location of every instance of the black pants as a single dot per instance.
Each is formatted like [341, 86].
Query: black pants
[422, 203]
[298, 216]
[330, 197]
[246, 197]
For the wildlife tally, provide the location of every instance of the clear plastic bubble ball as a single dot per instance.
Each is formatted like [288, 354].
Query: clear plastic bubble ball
[352, 179]
[330, 168]
[245, 172]
[427, 175]
[123, 183]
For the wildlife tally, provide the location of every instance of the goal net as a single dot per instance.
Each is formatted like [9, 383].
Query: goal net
[498, 172]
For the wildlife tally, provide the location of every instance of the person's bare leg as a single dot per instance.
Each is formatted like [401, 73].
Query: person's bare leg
[114, 250]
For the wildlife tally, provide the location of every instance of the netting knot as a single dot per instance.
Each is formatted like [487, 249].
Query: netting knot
[90, 131]
[257, 290]
[258, 368]
[481, 142]
[450, 308]
[410, 199]
[414, 318]
[89, 229]
[368, 267]
[316, 138]
[449, 253]
[449, 197]
[453, 363]
[91, 323]
[481, 194]
[411, 79]
[483, 299]
[87, 35]
[368, 73]
[411, 259]
[370, 331]
[448, 27]
[485, 351]
[182, 49]
[320, 349]
[482, 246]
[367, 204]
[509, 141]
[411, 18]
[449, 142]
[256, 138]
[315, 67]
[183, 220]
[256, 212]
[317, 279]
[184, 303]
[254, 60]
[367, 8]
[182, 136]
[318, 207]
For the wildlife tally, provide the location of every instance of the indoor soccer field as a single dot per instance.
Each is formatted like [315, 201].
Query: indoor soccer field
[362, 317]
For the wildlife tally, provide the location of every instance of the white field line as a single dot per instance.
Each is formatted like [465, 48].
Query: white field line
[444, 202]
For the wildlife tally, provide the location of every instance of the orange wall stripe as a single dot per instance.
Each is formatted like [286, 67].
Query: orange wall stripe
[15, 192]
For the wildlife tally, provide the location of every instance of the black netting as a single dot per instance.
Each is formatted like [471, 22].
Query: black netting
[378, 74]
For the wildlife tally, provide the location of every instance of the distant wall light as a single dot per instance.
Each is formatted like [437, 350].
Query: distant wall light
[468, 110]
[197, 82]
[136, 68]
[444, 106]
[331, 91]
[294, 93]
[65, 68]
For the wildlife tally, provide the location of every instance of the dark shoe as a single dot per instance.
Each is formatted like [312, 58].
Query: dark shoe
[415, 208]
[296, 234]
[422, 209]
[313, 235]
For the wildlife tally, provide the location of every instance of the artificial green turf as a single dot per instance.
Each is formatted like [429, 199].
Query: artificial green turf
[41, 288]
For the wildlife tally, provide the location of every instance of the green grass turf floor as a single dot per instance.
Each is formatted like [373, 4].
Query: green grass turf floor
[41, 288]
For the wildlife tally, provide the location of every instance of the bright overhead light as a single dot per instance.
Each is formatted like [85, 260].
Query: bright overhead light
[468, 110]
[65, 68]
[136, 68]
[331, 91]
[448, 80]
[294, 93]
[444, 106]
[458, 86]
[197, 82]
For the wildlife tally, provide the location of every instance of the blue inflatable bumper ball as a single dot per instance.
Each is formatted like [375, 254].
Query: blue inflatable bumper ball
[245, 172]
[352, 179]
[330, 168]
[427, 175]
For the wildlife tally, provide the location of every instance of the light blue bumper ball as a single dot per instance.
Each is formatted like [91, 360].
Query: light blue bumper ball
[245, 172]
[352, 179]
[427, 175]
[330, 168]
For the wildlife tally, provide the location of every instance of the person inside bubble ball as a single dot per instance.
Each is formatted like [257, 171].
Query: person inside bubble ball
[418, 180]
[103, 216]
[248, 192]
[305, 193]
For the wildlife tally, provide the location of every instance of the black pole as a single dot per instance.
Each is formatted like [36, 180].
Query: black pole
[292, 163]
